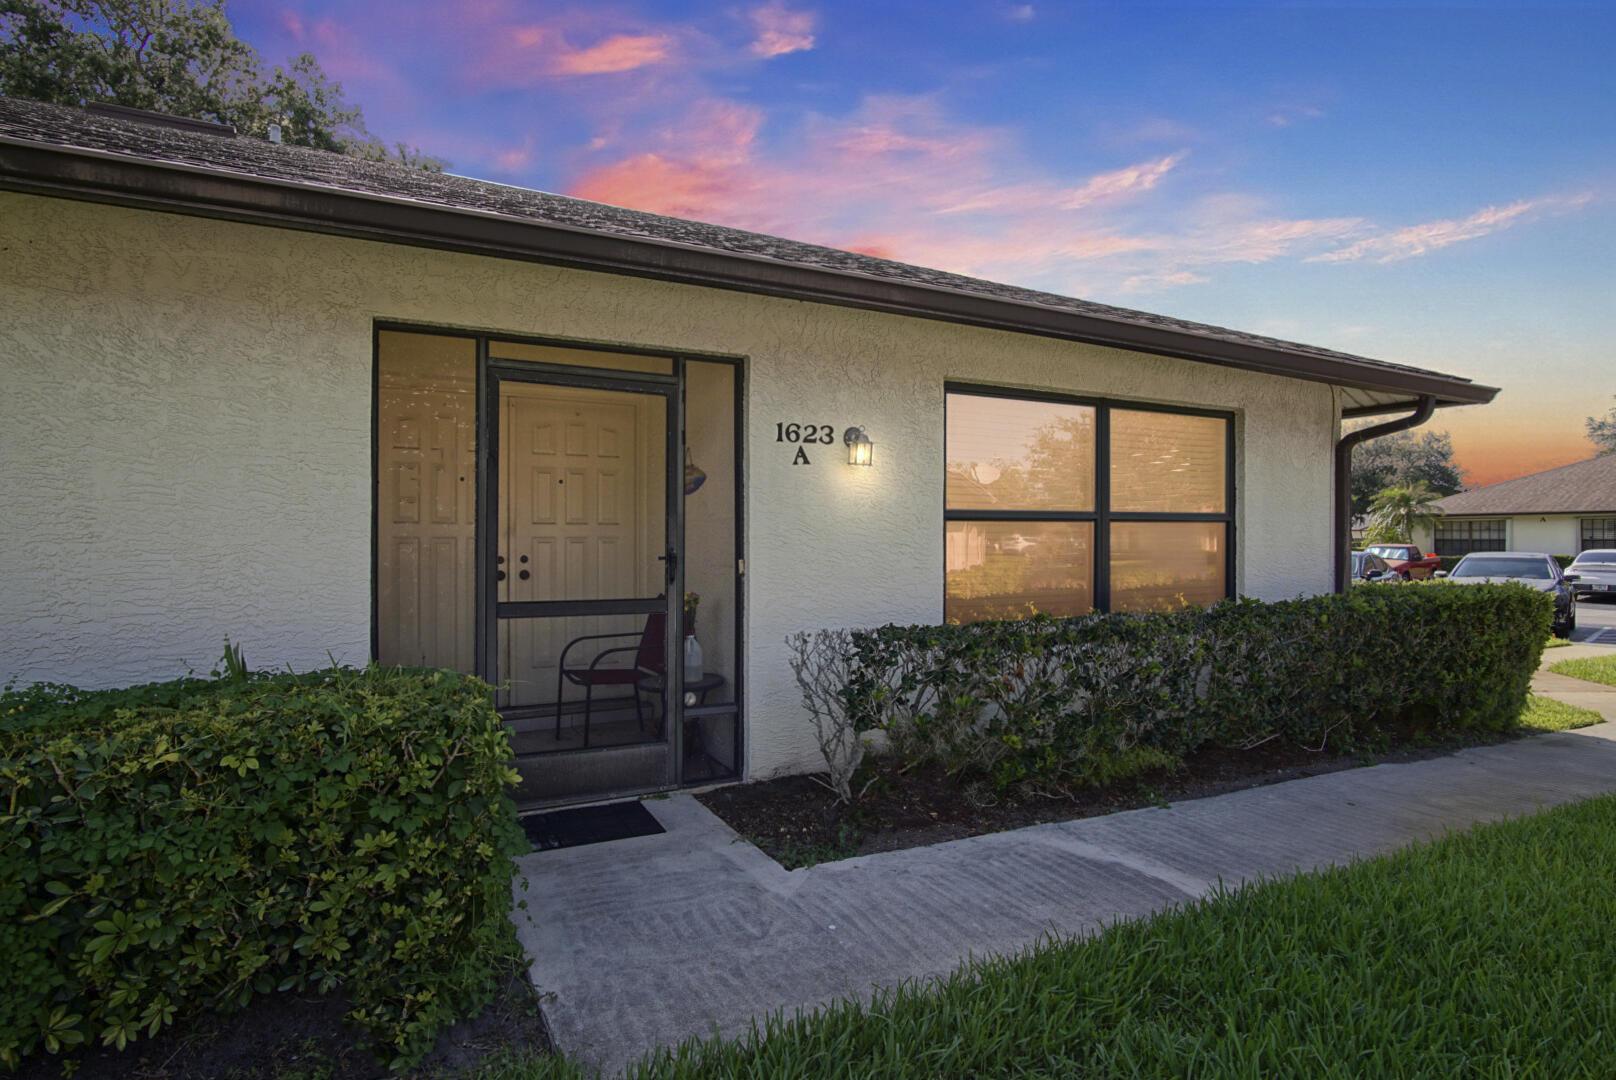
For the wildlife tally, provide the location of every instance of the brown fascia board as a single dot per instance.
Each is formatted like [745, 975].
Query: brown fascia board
[1526, 513]
[98, 176]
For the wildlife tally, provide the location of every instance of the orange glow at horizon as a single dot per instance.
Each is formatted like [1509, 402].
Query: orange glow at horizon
[1493, 443]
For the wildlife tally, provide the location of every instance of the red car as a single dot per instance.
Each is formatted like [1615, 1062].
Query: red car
[1406, 560]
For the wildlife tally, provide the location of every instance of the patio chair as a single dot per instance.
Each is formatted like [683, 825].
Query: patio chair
[650, 659]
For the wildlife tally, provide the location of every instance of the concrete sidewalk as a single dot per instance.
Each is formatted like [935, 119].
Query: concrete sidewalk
[650, 940]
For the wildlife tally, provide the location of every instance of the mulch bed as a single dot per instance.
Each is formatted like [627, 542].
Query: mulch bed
[798, 822]
[293, 1037]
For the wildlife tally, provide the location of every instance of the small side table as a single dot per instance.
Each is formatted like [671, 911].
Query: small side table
[694, 688]
[652, 684]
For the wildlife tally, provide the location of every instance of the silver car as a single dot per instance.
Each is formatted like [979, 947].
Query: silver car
[1593, 573]
[1529, 567]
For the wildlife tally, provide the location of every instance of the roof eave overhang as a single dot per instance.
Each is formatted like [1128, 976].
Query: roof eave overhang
[98, 176]
[1526, 513]
[1403, 405]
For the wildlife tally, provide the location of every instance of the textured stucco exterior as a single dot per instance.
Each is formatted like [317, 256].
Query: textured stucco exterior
[187, 438]
[1552, 534]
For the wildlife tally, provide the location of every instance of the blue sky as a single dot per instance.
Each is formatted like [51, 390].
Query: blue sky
[1430, 185]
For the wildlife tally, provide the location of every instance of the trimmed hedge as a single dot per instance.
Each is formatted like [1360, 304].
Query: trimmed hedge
[1059, 703]
[189, 844]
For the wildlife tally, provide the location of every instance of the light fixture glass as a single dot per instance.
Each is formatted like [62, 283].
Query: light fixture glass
[860, 450]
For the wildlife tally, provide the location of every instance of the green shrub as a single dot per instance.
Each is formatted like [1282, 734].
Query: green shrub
[1067, 702]
[188, 844]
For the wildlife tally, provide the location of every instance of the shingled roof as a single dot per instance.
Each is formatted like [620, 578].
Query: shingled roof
[184, 167]
[1583, 487]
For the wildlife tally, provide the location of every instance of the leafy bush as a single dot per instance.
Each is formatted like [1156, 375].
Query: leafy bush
[189, 844]
[1059, 703]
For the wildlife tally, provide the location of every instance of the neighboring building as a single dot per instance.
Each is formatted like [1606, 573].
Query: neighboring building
[1560, 512]
[336, 408]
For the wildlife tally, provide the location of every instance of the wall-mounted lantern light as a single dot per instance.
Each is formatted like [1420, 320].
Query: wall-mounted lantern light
[860, 450]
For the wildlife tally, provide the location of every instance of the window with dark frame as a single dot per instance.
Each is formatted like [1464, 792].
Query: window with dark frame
[1456, 538]
[1058, 505]
[1598, 533]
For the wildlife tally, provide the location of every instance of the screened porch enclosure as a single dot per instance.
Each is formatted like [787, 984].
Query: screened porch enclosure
[538, 525]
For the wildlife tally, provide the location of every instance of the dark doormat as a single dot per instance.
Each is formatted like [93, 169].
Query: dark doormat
[590, 825]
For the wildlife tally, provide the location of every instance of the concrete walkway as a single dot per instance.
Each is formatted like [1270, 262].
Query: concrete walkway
[650, 940]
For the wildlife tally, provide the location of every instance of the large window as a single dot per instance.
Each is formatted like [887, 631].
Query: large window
[1598, 533]
[1058, 506]
[1456, 538]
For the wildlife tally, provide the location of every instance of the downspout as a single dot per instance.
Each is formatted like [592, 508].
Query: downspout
[1343, 482]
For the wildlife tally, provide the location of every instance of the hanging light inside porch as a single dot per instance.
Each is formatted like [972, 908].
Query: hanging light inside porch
[694, 476]
[860, 450]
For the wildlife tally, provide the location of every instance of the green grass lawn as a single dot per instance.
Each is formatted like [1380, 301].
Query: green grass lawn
[1600, 669]
[1486, 954]
[1546, 714]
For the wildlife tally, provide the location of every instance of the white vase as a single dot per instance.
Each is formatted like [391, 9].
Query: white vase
[692, 658]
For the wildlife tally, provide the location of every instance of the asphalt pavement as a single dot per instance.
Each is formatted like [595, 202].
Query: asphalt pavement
[1596, 622]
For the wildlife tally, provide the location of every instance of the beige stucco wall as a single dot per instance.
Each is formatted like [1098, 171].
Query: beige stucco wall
[186, 435]
[1552, 534]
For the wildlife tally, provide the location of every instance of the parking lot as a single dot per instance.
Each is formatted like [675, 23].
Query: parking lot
[1596, 622]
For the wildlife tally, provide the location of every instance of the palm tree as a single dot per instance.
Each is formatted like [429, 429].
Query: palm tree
[1396, 512]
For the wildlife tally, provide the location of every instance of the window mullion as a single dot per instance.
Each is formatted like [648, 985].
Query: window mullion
[1102, 507]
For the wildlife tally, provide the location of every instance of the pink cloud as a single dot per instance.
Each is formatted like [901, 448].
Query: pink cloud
[1262, 240]
[513, 158]
[1122, 182]
[1286, 115]
[621, 52]
[875, 182]
[1119, 184]
[713, 168]
[1162, 280]
[1414, 240]
[781, 31]
[504, 47]
[292, 23]
[901, 178]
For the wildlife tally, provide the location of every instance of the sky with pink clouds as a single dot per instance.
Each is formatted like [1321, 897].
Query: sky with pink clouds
[1433, 185]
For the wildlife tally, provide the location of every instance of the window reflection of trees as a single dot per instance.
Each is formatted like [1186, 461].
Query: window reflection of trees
[1159, 462]
[1010, 570]
[1167, 463]
[1056, 472]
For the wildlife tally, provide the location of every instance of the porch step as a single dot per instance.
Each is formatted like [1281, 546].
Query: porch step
[576, 776]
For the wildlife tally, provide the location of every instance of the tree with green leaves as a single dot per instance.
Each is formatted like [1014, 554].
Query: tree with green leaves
[1602, 431]
[1396, 512]
[179, 57]
[1401, 459]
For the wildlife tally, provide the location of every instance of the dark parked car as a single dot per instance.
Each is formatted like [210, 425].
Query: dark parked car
[1367, 566]
[1529, 567]
[1593, 574]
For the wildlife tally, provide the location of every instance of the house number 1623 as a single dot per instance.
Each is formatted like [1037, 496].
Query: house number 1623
[805, 433]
